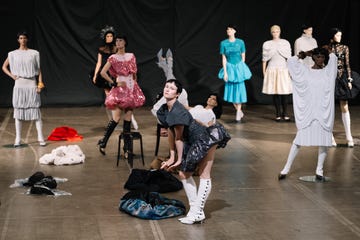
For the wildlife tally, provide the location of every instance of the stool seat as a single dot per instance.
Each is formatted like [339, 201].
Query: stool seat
[132, 136]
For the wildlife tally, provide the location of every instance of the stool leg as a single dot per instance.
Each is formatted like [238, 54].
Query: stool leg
[142, 152]
[130, 150]
[158, 129]
[119, 152]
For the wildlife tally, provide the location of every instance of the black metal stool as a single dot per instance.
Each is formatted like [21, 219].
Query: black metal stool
[158, 135]
[132, 136]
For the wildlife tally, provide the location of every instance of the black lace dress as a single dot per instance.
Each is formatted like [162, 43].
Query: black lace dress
[343, 65]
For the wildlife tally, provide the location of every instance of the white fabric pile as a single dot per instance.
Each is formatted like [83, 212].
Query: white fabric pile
[64, 155]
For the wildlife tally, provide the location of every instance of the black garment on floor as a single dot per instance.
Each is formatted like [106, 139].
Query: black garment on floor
[152, 181]
[41, 184]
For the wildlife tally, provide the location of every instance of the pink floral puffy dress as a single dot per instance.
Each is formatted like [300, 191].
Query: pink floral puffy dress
[123, 67]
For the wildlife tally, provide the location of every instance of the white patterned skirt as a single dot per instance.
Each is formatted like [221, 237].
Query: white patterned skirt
[277, 81]
[26, 101]
[313, 135]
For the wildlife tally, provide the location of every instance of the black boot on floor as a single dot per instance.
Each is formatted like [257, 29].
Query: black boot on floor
[108, 131]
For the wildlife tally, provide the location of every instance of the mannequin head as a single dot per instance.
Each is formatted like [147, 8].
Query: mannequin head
[107, 34]
[335, 35]
[307, 30]
[230, 30]
[275, 31]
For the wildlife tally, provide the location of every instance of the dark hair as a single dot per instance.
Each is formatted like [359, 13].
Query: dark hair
[321, 51]
[122, 37]
[107, 29]
[218, 109]
[177, 84]
[22, 33]
[334, 31]
[305, 26]
[230, 25]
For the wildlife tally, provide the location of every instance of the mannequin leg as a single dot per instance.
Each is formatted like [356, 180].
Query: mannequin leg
[239, 112]
[321, 159]
[276, 99]
[291, 157]
[347, 125]
[284, 103]
[134, 122]
[38, 124]
[333, 141]
[18, 125]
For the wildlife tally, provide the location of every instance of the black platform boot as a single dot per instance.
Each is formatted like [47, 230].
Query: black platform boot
[127, 139]
[108, 131]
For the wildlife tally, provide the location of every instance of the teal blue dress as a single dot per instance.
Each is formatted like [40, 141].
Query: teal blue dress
[237, 70]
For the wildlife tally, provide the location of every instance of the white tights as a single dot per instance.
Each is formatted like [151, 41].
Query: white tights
[18, 125]
[322, 153]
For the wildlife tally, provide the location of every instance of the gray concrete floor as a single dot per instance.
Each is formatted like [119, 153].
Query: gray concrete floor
[247, 200]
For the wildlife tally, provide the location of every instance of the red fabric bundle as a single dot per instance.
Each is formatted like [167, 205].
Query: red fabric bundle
[65, 133]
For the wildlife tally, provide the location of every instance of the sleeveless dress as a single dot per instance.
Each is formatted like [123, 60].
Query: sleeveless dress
[100, 81]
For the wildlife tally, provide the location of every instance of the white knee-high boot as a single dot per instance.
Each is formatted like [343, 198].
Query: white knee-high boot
[292, 154]
[190, 190]
[196, 213]
[18, 125]
[346, 121]
[321, 159]
[38, 124]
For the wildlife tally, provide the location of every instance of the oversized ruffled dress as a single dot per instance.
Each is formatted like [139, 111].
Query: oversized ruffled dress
[277, 79]
[129, 96]
[237, 70]
[26, 101]
[198, 139]
[313, 101]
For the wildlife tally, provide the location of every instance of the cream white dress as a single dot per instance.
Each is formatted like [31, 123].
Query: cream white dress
[277, 79]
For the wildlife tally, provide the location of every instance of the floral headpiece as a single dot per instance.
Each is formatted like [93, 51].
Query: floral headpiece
[106, 30]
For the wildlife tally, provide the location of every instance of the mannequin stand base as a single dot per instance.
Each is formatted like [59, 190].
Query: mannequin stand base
[313, 179]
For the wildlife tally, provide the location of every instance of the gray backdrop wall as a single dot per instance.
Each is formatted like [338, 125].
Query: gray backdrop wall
[66, 32]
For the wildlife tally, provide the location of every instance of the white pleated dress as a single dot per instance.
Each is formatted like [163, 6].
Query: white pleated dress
[313, 101]
[26, 101]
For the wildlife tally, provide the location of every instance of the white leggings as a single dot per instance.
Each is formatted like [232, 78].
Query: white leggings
[322, 153]
[38, 125]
